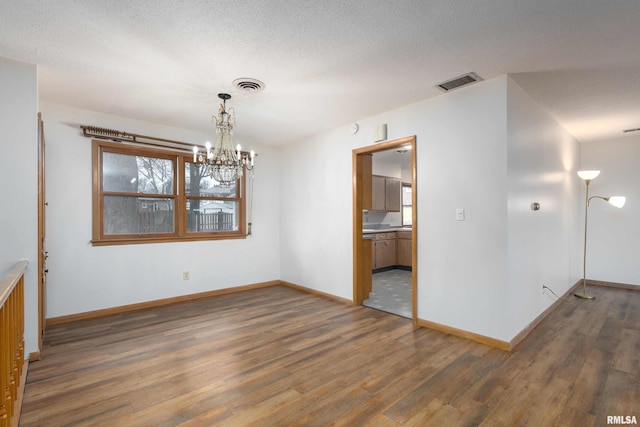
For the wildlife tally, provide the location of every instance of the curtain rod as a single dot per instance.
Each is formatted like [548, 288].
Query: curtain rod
[132, 138]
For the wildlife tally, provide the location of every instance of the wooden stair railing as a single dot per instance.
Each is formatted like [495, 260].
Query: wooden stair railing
[11, 343]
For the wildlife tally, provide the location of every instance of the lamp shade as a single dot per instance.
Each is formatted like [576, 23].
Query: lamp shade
[617, 201]
[588, 175]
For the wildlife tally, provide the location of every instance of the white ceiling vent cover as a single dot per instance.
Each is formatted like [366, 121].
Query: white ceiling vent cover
[459, 81]
[247, 84]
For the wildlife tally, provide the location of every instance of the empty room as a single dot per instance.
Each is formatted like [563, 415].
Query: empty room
[279, 213]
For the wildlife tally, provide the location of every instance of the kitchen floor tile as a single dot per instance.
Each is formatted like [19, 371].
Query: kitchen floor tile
[391, 292]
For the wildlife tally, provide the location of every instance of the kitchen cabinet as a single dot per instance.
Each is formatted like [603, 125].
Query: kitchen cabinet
[367, 267]
[392, 194]
[403, 248]
[390, 249]
[385, 250]
[378, 193]
[385, 193]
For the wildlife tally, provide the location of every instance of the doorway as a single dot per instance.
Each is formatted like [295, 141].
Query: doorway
[368, 244]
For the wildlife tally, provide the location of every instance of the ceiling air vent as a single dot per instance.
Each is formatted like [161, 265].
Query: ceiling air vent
[459, 81]
[246, 84]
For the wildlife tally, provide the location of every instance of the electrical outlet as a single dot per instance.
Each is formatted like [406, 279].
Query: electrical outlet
[185, 275]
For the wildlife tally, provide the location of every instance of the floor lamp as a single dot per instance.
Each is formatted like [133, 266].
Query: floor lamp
[617, 201]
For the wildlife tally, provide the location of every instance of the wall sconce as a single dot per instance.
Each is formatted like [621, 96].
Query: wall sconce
[617, 201]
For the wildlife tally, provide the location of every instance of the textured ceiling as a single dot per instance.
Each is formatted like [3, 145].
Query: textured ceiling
[326, 63]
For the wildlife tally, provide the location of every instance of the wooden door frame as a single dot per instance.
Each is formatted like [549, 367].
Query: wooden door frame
[358, 276]
[42, 255]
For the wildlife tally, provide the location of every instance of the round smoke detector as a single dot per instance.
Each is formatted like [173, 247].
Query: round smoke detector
[246, 84]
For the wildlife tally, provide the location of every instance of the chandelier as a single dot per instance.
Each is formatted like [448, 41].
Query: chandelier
[225, 164]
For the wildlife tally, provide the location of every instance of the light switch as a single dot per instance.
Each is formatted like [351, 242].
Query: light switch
[460, 214]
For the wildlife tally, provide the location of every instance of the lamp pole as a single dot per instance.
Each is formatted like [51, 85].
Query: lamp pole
[617, 201]
[584, 254]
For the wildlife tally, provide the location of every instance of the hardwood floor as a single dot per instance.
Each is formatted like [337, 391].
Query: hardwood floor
[279, 357]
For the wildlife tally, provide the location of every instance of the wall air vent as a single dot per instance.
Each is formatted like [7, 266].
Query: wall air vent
[247, 84]
[459, 81]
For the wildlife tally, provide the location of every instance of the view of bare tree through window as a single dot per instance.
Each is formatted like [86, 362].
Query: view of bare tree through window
[155, 175]
[131, 213]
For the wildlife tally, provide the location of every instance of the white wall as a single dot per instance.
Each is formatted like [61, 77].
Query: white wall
[473, 152]
[613, 252]
[315, 213]
[543, 246]
[19, 182]
[461, 155]
[385, 168]
[84, 278]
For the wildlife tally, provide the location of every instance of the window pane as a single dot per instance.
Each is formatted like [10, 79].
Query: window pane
[138, 215]
[211, 215]
[136, 174]
[406, 195]
[406, 215]
[199, 183]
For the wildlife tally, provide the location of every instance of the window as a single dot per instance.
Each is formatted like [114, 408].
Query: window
[143, 195]
[210, 207]
[407, 209]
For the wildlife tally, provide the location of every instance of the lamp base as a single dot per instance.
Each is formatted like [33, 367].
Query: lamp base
[584, 296]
